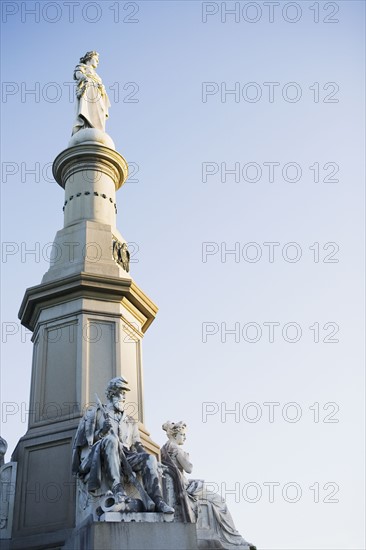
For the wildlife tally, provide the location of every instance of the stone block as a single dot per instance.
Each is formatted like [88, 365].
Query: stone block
[133, 535]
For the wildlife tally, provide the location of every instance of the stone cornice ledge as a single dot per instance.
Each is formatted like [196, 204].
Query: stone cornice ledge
[90, 156]
[86, 285]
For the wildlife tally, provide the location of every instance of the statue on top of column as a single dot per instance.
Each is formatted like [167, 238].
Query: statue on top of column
[92, 99]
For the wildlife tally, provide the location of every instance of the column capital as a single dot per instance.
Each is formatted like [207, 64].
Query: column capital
[90, 157]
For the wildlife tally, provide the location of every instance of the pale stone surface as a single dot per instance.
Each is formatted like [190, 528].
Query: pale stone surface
[7, 495]
[45, 495]
[80, 323]
[99, 507]
[91, 174]
[108, 450]
[92, 100]
[101, 322]
[133, 536]
[141, 517]
[3, 449]
[85, 247]
[91, 135]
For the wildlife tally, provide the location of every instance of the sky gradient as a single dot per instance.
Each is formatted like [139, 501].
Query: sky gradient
[274, 94]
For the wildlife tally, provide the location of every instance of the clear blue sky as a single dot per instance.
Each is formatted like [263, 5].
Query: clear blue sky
[154, 59]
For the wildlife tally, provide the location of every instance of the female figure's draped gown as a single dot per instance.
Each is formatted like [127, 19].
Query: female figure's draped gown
[92, 99]
[193, 492]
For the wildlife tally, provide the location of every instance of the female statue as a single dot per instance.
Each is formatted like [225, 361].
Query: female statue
[193, 493]
[92, 99]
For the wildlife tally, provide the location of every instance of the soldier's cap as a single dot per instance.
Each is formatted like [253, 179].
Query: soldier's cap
[116, 385]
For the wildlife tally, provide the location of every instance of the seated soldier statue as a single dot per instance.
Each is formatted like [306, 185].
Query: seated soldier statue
[107, 447]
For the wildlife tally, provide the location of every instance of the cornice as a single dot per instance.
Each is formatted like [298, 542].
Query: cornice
[86, 285]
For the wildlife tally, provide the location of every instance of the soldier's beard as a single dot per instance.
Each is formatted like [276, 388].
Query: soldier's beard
[119, 405]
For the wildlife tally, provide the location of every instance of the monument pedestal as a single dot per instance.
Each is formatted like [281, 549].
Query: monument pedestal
[133, 535]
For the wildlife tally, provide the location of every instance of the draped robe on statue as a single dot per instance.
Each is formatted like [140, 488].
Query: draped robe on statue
[92, 100]
[193, 492]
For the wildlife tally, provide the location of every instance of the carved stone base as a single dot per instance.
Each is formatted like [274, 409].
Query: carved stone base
[133, 535]
[143, 517]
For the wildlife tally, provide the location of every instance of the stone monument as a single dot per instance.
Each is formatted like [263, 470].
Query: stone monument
[87, 475]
